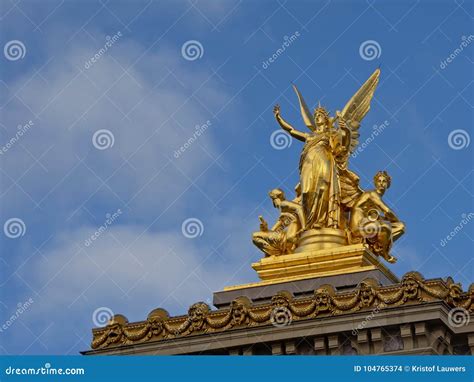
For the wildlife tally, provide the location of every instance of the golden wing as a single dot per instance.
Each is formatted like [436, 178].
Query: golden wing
[358, 106]
[305, 113]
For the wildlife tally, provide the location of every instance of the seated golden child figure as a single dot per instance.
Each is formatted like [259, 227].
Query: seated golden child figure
[373, 222]
[282, 237]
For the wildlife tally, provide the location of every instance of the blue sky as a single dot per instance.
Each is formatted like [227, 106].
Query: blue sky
[143, 97]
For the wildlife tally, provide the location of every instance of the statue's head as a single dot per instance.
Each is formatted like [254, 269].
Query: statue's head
[411, 285]
[323, 297]
[239, 308]
[367, 292]
[197, 314]
[277, 195]
[321, 117]
[282, 298]
[382, 181]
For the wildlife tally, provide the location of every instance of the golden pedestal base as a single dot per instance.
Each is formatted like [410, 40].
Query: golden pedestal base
[323, 238]
[318, 263]
[324, 262]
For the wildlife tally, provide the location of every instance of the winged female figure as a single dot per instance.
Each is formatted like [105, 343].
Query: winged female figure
[327, 186]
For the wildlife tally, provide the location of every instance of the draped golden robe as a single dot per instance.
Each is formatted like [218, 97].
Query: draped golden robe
[321, 192]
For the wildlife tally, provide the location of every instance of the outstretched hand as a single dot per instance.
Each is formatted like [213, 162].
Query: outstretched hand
[276, 110]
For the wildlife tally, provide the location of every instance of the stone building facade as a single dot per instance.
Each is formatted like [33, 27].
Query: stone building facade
[360, 313]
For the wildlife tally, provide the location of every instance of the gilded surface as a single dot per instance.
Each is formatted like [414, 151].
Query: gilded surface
[242, 313]
[328, 195]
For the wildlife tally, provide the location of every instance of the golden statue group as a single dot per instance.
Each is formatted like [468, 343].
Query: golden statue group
[330, 209]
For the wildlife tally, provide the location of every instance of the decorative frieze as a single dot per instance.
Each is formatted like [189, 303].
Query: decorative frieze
[284, 308]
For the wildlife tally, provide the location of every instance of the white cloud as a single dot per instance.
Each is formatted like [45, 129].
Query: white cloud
[163, 98]
[150, 109]
[156, 270]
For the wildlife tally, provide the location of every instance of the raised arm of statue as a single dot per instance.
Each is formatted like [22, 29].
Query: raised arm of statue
[287, 127]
